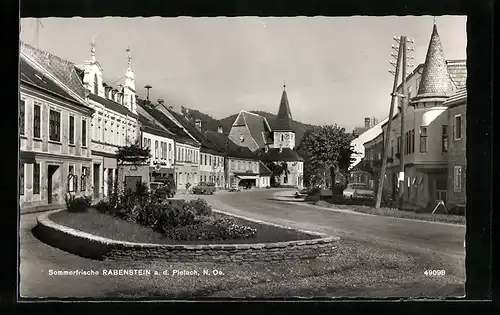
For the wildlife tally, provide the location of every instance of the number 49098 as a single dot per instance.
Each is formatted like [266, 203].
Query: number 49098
[434, 272]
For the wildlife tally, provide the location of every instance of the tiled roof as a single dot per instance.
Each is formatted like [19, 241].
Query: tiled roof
[458, 72]
[257, 125]
[435, 79]
[264, 170]
[460, 97]
[171, 126]
[222, 141]
[274, 154]
[206, 145]
[283, 120]
[35, 76]
[62, 69]
[112, 105]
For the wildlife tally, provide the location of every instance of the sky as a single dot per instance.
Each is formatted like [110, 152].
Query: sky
[335, 68]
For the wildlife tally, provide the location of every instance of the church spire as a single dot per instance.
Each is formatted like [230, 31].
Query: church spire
[435, 81]
[92, 50]
[283, 120]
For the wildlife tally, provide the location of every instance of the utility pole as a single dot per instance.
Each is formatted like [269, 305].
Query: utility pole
[391, 112]
[403, 143]
[38, 24]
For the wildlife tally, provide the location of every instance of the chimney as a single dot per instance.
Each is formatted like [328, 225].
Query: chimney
[220, 130]
[197, 123]
[160, 101]
[367, 122]
[170, 107]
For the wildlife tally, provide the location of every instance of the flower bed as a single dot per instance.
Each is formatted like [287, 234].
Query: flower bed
[171, 220]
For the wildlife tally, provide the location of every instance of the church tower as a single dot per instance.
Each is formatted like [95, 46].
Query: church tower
[284, 136]
[129, 99]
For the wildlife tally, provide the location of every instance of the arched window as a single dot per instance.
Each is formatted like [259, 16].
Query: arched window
[96, 89]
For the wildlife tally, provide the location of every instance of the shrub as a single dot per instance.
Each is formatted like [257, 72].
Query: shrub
[201, 207]
[314, 191]
[103, 206]
[77, 203]
[176, 213]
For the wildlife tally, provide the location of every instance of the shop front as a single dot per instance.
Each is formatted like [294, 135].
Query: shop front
[247, 181]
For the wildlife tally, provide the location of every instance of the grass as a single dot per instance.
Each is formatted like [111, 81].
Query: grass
[107, 226]
[395, 213]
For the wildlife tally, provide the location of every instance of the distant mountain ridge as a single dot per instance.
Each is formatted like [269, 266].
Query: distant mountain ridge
[211, 124]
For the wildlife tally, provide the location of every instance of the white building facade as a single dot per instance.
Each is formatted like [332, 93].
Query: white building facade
[114, 124]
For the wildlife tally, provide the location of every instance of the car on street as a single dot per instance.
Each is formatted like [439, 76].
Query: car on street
[162, 189]
[358, 191]
[204, 188]
[234, 187]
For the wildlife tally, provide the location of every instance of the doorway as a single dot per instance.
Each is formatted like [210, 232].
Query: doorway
[51, 170]
[96, 180]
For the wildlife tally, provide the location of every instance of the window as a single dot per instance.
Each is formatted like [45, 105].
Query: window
[21, 179]
[96, 89]
[458, 127]
[444, 138]
[156, 149]
[71, 129]
[392, 147]
[21, 116]
[205, 160]
[407, 142]
[83, 184]
[162, 154]
[423, 139]
[413, 141]
[84, 133]
[72, 179]
[105, 136]
[457, 178]
[169, 151]
[399, 146]
[36, 121]
[36, 178]
[55, 126]
[210, 160]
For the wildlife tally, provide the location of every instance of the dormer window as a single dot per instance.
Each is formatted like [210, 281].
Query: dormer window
[96, 87]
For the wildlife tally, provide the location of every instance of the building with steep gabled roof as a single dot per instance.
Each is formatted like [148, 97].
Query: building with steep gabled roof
[242, 166]
[161, 143]
[423, 147]
[254, 132]
[187, 148]
[251, 130]
[211, 162]
[54, 131]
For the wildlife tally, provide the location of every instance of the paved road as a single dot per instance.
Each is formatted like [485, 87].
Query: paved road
[442, 244]
[437, 246]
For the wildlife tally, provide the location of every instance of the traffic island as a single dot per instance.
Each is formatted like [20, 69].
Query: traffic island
[308, 246]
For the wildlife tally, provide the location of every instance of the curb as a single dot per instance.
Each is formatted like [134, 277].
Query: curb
[284, 199]
[41, 211]
[95, 247]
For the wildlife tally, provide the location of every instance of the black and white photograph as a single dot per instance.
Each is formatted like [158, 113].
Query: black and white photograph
[242, 157]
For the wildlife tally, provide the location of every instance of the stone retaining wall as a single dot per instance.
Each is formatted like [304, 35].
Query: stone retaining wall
[95, 247]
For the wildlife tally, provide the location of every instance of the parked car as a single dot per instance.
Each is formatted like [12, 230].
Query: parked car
[204, 188]
[163, 189]
[358, 191]
[234, 187]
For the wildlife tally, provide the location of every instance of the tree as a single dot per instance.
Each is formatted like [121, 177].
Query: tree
[326, 149]
[277, 169]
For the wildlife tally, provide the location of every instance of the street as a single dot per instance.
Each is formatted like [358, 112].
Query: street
[432, 246]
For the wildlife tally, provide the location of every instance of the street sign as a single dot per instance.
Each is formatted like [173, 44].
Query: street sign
[401, 176]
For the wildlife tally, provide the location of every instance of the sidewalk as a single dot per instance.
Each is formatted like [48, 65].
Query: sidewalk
[40, 209]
